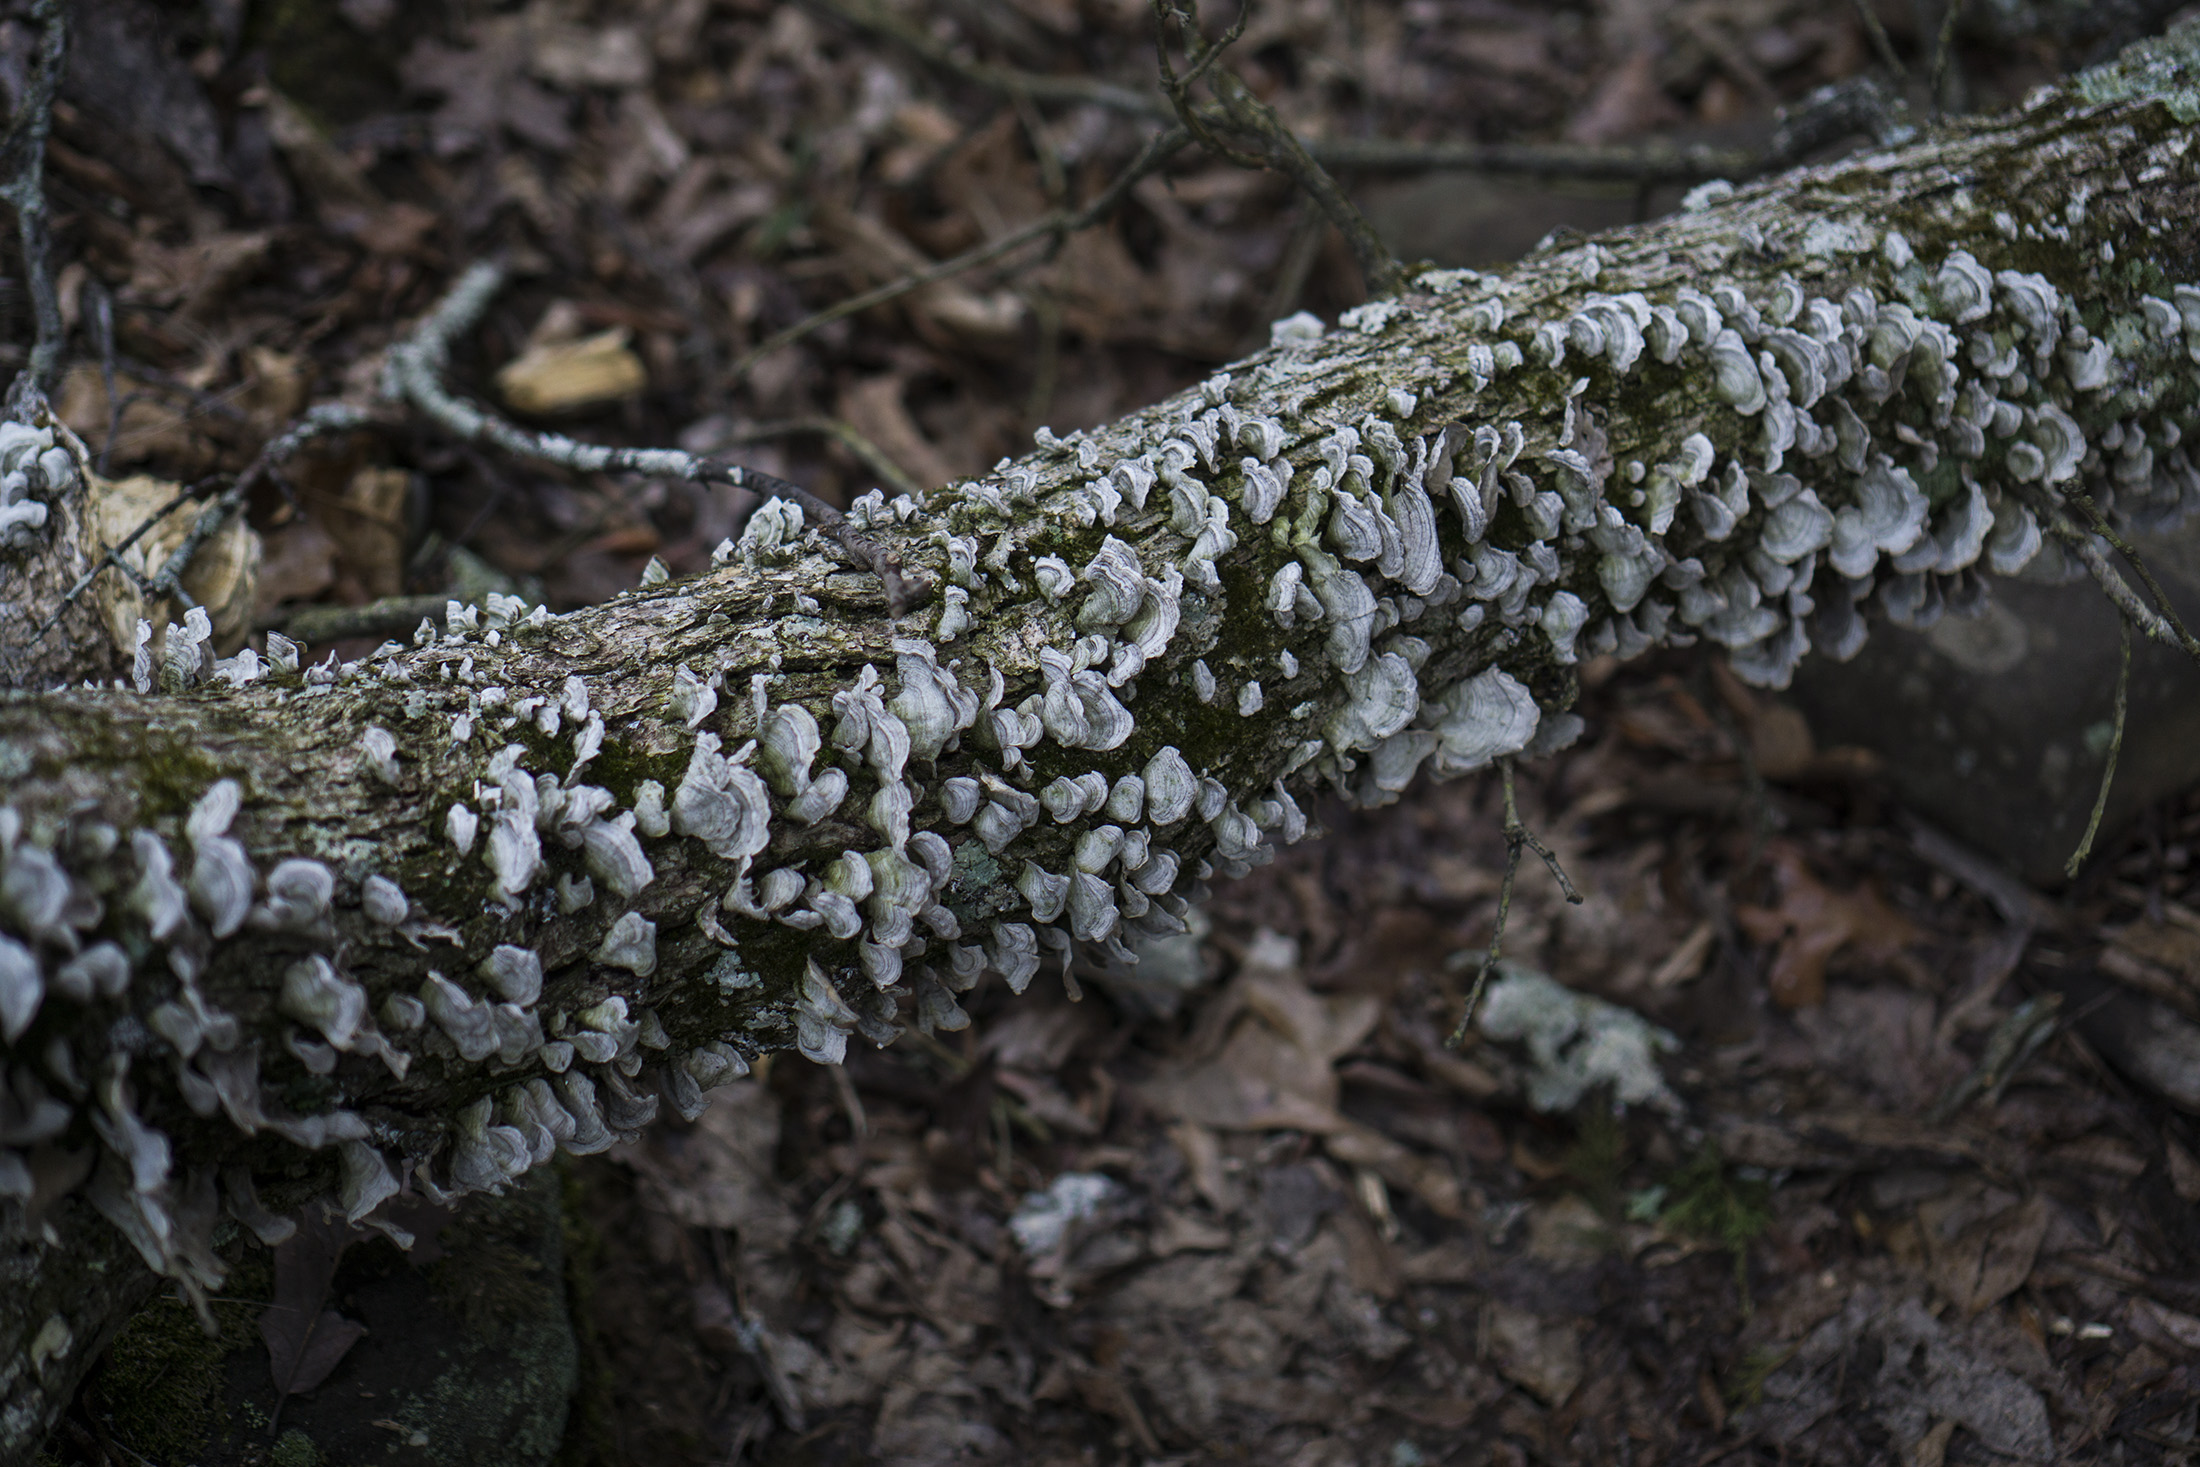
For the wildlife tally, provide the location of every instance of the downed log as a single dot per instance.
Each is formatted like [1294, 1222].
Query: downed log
[279, 930]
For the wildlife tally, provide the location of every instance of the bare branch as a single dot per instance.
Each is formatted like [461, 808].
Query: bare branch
[415, 374]
[1244, 129]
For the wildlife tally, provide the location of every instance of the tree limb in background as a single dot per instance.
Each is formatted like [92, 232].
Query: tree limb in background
[842, 432]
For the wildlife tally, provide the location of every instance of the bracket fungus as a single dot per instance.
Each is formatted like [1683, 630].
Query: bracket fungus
[1354, 557]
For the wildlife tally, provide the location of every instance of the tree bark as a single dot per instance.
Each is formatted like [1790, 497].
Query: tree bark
[1344, 559]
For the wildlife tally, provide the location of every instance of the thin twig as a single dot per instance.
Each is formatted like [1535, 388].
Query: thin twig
[114, 557]
[2119, 591]
[1203, 55]
[99, 314]
[1944, 50]
[1881, 41]
[23, 186]
[1035, 85]
[1158, 150]
[1518, 837]
[414, 374]
[2131, 556]
[1648, 163]
[842, 432]
[2115, 747]
[329, 417]
[1244, 129]
[1656, 162]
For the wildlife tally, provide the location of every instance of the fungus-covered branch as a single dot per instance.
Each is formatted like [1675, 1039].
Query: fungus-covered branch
[277, 929]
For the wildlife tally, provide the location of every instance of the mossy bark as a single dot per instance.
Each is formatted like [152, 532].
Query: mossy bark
[2093, 188]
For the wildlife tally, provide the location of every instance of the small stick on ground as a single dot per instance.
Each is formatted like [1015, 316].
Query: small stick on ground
[1654, 162]
[2115, 747]
[392, 616]
[23, 186]
[415, 375]
[1518, 837]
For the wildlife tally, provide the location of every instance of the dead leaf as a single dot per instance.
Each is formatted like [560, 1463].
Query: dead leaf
[1541, 1354]
[560, 377]
[368, 522]
[195, 276]
[718, 1173]
[2170, 1327]
[151, 429]
[1203, 1155]
[873, 407]
[1814, 922]
[2184, 1173]
[1932, 1448]
[574, 57]
[306, 1340]
[1988, 1260]
[1686, 960]
[2172, 948]
[1427, 1179]
[298, 564]
[277, 384]
[223, 576]
[483, 89]
[1180, 1232]
[1275, 1071]
[327, 173]
[945, 312]
[1626, 103]
[1569, 1233]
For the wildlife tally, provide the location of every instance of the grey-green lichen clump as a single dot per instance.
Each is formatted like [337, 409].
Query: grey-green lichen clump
[2163, 70]
[641, 843]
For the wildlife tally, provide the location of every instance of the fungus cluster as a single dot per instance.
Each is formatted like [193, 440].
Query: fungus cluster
[1287, 573]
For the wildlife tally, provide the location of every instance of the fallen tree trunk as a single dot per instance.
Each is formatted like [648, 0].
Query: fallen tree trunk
[310, 930]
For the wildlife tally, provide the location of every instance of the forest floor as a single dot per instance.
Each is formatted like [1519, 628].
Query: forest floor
[1874, 1199]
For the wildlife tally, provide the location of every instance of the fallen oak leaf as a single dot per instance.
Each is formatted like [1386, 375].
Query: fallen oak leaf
[305, 1340]
[1813, 922]
[302, 1351]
